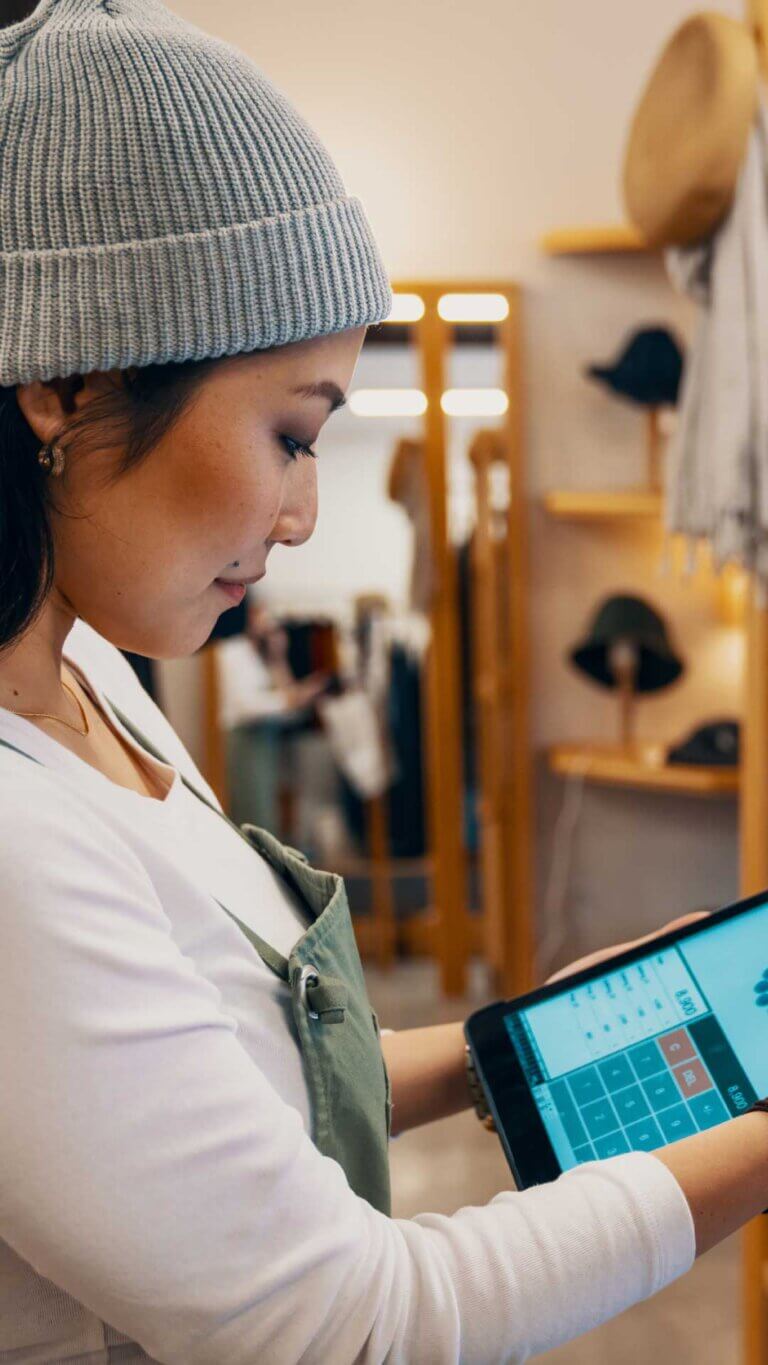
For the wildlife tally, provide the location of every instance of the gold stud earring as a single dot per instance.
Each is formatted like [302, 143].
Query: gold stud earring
[51, 458]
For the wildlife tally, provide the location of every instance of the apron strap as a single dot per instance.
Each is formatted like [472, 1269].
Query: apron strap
[269, 955]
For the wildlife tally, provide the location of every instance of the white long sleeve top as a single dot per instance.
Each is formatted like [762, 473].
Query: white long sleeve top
[158, 1184]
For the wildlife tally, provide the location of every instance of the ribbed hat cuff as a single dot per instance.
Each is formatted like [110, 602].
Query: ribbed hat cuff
[186, 297]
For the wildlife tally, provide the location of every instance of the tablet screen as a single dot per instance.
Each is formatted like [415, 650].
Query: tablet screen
[664, 1047]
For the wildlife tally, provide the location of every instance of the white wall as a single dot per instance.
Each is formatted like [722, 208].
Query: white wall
[467, 132]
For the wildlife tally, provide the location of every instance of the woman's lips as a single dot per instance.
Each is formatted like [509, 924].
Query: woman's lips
[234, 591]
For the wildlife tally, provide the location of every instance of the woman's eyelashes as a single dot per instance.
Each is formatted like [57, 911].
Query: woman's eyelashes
[297, 448]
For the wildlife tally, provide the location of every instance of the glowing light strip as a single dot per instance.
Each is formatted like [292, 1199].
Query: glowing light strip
[473, 307]
[474, 402]
[406, 308]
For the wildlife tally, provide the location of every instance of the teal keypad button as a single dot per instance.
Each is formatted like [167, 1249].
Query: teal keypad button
[614, 1145]
[661, 1091]
[585, 1153]
[708, 1110]
[676, 1123]
[600, 1118]
[586, 1085]
[616, 1073]
[644, 1136]
[646, 1059]
[631, 1104]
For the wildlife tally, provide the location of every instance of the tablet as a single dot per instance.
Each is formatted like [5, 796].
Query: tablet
[660, 1042]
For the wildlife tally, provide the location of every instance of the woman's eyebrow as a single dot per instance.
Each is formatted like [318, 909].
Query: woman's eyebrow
[325, 389]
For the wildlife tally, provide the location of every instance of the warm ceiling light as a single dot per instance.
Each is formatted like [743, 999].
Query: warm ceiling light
[388, 402]
[406, 308]
[473, 307]
[474, 402]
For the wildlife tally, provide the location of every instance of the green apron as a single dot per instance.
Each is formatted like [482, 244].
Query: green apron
[347, 1079]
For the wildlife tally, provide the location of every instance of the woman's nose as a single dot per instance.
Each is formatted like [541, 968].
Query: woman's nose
[297, 517]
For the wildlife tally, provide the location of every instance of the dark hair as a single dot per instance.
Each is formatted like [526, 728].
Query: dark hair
[135, 415]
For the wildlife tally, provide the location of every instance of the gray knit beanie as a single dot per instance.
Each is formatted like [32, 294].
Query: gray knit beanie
[161, 201]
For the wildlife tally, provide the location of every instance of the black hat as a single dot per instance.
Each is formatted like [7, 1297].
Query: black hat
[717, 743]
[649, 369]
[628, 618]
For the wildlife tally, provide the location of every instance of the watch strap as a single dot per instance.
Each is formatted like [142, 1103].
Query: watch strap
[759, 1107]
[479, 1101]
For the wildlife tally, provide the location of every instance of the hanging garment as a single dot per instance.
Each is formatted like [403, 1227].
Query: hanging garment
[354, 734]
[718, 457]
[338, 1029]
[406, 816]
[408, 485]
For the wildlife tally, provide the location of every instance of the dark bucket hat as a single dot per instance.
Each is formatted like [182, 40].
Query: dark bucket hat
[628, 618]
[648, 370]
[716, 744]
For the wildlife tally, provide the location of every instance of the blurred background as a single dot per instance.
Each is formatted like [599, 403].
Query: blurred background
[498, 690]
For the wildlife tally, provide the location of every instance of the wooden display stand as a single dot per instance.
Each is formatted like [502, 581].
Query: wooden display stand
[752, 787]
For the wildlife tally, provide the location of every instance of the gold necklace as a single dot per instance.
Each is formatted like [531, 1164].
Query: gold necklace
[45, 715]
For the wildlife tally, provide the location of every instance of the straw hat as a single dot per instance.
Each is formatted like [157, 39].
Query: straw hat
[689, 133]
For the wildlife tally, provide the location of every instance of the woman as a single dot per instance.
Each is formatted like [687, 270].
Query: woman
[193, 1148]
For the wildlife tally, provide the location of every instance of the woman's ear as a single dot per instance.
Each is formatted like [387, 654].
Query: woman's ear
[44, 404]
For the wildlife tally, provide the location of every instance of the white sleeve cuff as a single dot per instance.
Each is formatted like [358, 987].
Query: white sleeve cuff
[662, 1204]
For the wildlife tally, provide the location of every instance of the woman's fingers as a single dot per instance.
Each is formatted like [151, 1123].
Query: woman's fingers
[604, 954]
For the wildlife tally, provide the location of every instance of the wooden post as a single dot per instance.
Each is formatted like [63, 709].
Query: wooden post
[655, 447]
[515, 678]
[442, 712]
[754, 846]
[754, 878]
[382, 897]
[485, 451]
[627, 712]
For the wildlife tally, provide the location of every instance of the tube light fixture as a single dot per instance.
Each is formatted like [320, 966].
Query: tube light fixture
[474, 402]
[406, 308]
[473, 307]
[388, 402]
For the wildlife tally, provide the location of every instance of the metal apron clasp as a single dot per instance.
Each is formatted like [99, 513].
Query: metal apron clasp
[309, 976]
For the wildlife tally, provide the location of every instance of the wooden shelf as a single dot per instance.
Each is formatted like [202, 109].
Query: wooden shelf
[619, 504]
[593, 241]
[643, 767]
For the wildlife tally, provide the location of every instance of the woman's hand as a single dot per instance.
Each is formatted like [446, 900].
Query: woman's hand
[427, 1067]
[603, 954]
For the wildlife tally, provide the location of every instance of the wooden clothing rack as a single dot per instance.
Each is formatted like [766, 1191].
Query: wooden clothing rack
[506, 799]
